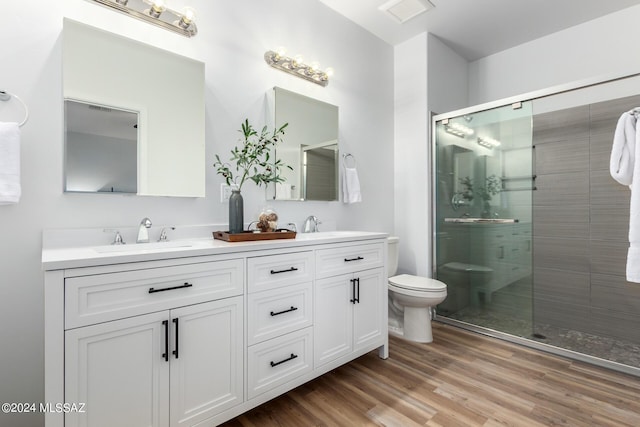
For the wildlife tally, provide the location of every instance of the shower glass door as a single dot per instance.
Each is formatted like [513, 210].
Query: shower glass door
[483, 217]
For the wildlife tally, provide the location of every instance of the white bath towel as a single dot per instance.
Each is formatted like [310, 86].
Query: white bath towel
[351, 186]
[625, 168]
[10, 189]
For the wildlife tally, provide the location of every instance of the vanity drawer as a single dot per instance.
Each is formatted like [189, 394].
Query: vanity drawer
[274, 271]
[279, 311]
[348, 259]
[104, 297]
[274, 362]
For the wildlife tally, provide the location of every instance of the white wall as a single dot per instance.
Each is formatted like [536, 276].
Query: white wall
[411, 155]
[448, 78]
[429, 78]
[600, 47]
[232, 39]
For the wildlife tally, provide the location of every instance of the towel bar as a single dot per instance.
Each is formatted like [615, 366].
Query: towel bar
[6, 96]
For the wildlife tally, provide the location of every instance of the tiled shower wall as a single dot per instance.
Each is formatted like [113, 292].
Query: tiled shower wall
[580, 224]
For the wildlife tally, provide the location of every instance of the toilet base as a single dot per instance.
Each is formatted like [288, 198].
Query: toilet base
[417, 324]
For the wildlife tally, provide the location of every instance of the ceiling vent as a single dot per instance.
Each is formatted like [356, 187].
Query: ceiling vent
[404, 10]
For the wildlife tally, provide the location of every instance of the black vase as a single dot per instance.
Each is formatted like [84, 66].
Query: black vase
[236, 212]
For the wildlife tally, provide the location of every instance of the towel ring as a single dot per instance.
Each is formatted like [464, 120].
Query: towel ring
[348, 156]
[6, 96]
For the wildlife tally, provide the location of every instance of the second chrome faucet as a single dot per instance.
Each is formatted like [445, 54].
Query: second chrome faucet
[143, 231]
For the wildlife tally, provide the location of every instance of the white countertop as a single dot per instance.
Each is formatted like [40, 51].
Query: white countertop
[90, 256]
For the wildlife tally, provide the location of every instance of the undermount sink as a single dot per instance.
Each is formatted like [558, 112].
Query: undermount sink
[143, 247]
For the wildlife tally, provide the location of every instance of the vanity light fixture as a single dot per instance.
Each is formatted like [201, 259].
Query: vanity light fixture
[489, 143]
[157, 13]
[458, 130]
[277, 59]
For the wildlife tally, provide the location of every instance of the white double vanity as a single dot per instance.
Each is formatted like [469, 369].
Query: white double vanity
[199, 331]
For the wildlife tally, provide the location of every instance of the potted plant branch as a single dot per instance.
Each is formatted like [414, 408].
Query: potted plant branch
[251, 160]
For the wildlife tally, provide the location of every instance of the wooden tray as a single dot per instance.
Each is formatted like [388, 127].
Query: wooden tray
[247, 236]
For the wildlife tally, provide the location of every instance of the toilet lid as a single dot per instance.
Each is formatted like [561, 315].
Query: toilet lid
[417, 283]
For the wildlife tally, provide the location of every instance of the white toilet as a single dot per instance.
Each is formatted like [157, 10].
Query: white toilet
[412, 297]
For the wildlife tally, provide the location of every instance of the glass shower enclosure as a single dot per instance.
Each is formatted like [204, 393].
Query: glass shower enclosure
[530, 231]
[483, 217]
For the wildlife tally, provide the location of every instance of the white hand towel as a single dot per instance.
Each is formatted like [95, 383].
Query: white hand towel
[625, 168]
[351, 186]
[10, 189]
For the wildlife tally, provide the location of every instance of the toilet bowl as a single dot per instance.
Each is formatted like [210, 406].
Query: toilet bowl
[412, 298]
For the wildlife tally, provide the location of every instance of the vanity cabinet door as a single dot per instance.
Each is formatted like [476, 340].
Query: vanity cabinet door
[206, 360]
[368, 320]
[333, 326]
[172, 368]
[118, 371]
[349, 314]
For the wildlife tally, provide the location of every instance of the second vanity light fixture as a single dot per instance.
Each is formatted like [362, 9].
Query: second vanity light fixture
[157, 13]
[311, 72]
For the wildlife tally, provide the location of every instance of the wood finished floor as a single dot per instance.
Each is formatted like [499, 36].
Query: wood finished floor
[461, 379]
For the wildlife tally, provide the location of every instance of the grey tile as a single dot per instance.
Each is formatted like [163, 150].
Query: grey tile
[569, 316]
[615, 324]
[608, 257]
[607, 191]
[571, 155]
[562, 189]
[560, 125]
[600, 150]
[606, 114]
[561, 221]
[614, 293]
[561, 254]
[610, 222]
[567, 287]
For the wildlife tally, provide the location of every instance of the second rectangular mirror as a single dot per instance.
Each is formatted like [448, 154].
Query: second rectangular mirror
[310, 147]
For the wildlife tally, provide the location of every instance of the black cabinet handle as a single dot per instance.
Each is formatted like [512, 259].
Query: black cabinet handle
[293, 356]
[353, 259]
[358, 288]
[284, 311]
[165, 355]
[186, 285]
[175, 352]
[284, 271]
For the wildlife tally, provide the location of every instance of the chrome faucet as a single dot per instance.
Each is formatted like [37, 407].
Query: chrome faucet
[143, 231]
[163, 234]
[117, 237]
[311, 224]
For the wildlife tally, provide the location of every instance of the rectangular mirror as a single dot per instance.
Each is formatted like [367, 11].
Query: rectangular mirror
[110, 84]
[310, 147]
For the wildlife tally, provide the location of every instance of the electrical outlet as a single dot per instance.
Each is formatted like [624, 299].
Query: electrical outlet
[225, 192]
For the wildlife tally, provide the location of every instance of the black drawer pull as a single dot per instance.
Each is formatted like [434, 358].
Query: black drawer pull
[353, 259]
[175, 352]
[293, 356]
[284, 271]
[186, 285]
[284, 311]
[165, 355]
[355, 291]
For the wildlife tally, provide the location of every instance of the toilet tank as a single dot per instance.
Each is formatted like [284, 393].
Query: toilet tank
[392, 255]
